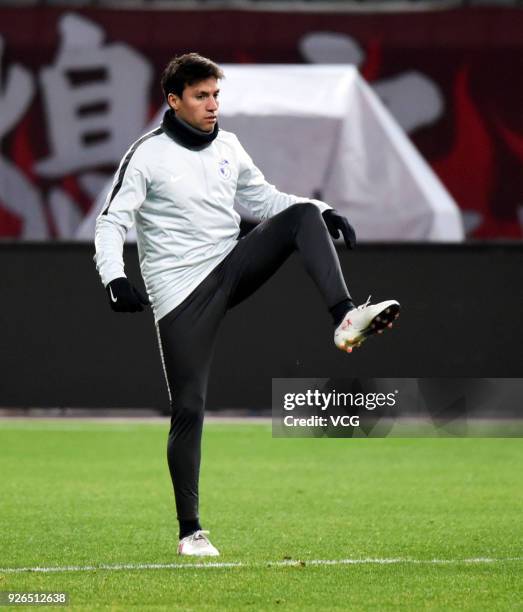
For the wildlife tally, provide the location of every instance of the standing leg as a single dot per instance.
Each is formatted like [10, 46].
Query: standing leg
[187, 335]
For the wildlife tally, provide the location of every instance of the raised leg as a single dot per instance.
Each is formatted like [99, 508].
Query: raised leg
[259, 254]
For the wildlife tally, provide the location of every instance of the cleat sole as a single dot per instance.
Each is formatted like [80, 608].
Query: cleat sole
[378, 325]
[382, 321]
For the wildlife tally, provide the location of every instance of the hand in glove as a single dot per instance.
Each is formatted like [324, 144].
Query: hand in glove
[123, 297]
[336, 223]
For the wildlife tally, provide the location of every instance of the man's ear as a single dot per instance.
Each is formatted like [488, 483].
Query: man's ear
[173, 101]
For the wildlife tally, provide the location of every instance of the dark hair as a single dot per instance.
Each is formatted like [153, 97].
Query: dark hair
[188, 69]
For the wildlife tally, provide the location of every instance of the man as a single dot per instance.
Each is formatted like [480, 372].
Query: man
[179, 183]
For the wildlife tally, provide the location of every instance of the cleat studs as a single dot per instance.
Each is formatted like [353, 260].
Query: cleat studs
[380, 331]
[389, 325]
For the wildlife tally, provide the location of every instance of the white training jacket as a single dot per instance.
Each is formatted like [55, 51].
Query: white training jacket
[182, 202]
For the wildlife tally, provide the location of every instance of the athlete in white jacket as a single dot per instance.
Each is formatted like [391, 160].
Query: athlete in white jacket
[179, 183]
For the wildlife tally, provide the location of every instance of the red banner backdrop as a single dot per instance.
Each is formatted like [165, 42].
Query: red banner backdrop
[77, 87]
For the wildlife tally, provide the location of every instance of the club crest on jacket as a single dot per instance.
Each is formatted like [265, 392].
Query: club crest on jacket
[224, 169]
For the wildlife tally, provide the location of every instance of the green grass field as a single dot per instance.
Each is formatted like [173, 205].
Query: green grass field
[448, 512]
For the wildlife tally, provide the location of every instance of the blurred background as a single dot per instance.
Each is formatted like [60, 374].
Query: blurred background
[406, 116]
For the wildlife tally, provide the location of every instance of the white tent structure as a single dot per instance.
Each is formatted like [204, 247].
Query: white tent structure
[321, 131]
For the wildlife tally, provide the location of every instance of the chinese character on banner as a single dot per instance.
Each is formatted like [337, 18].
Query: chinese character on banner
[95, 99]
[20, 200]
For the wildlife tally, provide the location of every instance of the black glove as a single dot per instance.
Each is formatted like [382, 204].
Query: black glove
[123, 297]
[336, 222]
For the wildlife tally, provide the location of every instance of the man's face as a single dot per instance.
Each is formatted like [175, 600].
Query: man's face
[198, 105]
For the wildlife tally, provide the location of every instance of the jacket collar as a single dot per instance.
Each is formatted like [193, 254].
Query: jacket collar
[185, 134]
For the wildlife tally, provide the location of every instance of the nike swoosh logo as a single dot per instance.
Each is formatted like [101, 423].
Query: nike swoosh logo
[176, 179]
[112, 296]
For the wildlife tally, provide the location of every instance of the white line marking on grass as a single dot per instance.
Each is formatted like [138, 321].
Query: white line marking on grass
[120, 567]
[259, 564]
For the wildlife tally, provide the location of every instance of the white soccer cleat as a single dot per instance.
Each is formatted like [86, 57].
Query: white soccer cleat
[197, 545]
[363, 321]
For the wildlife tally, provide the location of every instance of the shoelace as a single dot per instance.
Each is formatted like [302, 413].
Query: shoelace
[201, 534]
[362, 306]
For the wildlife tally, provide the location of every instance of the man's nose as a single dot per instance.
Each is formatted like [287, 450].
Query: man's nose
[212, 104]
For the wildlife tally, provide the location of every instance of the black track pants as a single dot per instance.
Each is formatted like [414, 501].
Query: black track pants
[187, 334]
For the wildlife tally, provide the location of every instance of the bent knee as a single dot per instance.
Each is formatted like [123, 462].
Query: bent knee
[305, 210]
